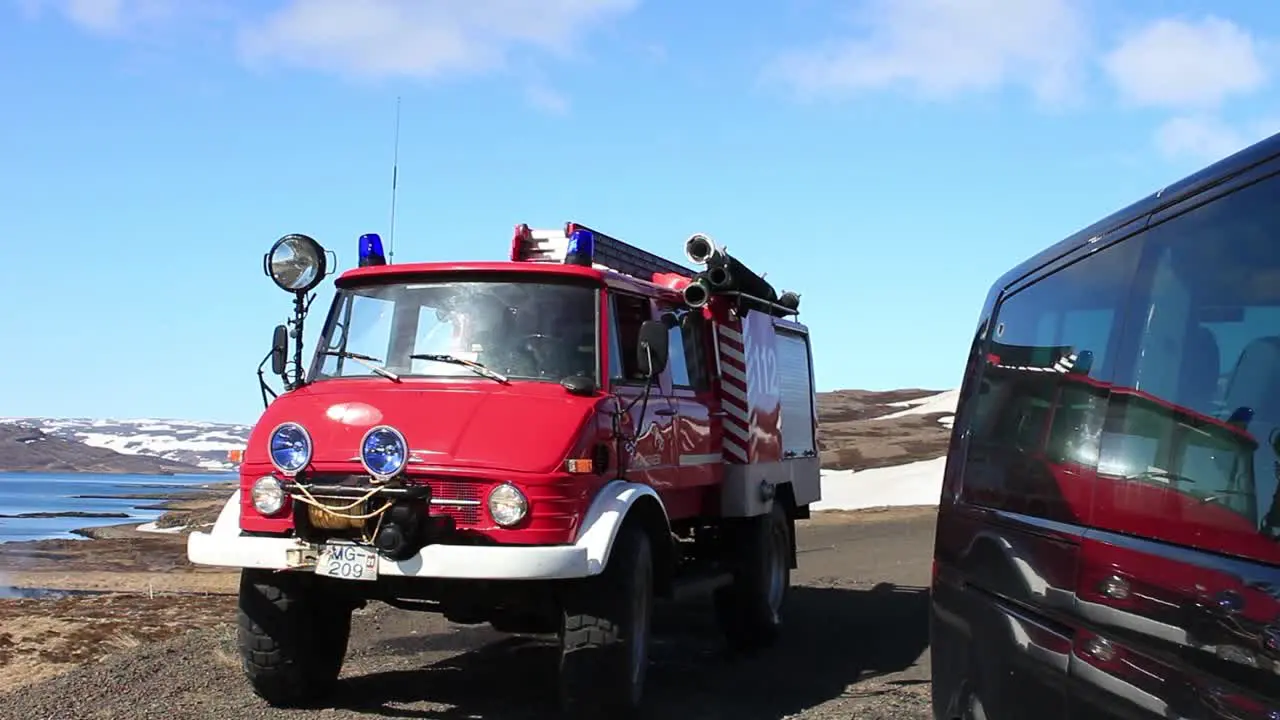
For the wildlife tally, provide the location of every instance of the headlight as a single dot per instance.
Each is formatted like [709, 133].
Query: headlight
[507, 505]
[296, 263]
[383, 452]
[290, 448]
[268, 495]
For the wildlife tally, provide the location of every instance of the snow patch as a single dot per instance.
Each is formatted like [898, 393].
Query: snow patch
[917, 483]
[151, 528]
[943, 402]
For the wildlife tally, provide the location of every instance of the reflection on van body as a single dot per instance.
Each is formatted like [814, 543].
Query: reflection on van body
[1108, 541]
[1048, 452]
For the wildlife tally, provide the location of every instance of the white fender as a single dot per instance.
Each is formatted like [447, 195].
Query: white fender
[228, 522]
[604, 518]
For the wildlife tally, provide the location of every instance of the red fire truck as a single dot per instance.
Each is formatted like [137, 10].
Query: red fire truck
[546, 444]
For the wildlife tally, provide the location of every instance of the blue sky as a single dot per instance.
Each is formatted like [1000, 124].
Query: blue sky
[887, 158]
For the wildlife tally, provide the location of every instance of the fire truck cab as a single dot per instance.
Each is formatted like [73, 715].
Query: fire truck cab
[546, 443]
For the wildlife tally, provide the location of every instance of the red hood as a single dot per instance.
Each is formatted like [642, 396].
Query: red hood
[526, 427]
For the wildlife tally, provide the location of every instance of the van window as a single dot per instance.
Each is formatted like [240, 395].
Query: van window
[1188, 452]
[1042, 397]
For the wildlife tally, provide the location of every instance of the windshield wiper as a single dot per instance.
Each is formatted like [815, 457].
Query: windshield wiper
[476, 367]
[1159, 474]
[367, 361]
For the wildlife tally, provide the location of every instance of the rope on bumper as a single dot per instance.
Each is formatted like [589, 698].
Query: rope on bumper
[340, 511]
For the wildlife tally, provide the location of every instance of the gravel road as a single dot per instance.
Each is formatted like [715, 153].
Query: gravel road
[856, 646]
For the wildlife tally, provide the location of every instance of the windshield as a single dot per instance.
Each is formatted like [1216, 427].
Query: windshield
[524, 330]
[1180, 450]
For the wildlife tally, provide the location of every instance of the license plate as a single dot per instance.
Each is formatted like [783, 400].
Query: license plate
[347, 562]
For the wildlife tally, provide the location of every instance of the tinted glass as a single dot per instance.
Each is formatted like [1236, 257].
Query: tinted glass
[1039, 407]
[1189, 449]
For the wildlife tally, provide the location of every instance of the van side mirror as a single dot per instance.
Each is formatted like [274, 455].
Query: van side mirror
[279, 349]
[652, 349]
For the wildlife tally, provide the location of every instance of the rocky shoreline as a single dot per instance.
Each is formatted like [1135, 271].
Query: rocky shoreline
[65, 602]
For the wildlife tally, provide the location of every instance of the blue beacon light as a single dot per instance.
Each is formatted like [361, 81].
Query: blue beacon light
[582, 248]
[371, 250]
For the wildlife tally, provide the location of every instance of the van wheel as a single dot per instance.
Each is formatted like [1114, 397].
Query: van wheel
[292, 639]
[604, 634]
[750, 609]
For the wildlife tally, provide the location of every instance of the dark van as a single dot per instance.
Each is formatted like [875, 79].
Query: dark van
[1108, 536]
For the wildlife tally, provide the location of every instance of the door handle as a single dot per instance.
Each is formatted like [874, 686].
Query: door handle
[665, 412]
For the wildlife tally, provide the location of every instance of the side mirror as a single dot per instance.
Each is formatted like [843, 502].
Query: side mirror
[653, 348]
[279, 350]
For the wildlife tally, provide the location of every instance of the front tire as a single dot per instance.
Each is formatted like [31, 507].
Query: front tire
[604, 637]
[292, 637]
[750, 609]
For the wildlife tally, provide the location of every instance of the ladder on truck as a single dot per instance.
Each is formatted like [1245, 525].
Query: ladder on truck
[551, 246]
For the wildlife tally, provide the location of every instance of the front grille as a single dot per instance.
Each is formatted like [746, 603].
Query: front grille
[459, 499]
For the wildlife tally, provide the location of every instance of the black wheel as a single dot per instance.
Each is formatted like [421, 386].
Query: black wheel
[292, 638]
[604, 637]
[750, 609]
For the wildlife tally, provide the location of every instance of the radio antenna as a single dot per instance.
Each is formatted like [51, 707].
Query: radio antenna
[395, 173]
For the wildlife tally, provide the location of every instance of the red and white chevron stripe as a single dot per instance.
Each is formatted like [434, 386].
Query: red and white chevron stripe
[733, 382]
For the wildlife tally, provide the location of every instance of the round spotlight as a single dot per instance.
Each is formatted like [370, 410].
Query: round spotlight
[383, 452]
[296, 263]
[290, 448]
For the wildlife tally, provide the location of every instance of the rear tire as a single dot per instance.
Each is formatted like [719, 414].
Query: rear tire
[604, 637]
[750, 609]
[292, 637]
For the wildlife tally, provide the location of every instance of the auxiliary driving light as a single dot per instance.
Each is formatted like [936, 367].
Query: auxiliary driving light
[268, 495]
[290, 448]
[383, 452]
[296, 263]
[507, 505]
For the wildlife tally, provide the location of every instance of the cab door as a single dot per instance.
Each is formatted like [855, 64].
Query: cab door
[697, 446]
[648, 427]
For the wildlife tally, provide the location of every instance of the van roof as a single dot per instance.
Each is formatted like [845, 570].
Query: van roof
[1223, 169]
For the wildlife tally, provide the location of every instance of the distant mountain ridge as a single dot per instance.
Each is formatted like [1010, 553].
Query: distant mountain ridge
[858, 429]
[142, 445]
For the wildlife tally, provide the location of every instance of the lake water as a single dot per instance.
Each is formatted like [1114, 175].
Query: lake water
[22, 493]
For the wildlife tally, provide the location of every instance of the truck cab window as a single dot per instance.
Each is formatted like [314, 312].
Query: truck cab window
[628, 312]
[693, 327]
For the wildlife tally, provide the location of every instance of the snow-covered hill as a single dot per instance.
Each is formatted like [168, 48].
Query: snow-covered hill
[859, 430]
[204, 444]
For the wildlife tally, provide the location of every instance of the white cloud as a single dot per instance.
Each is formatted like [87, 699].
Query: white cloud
[420, 38]
[1203, 138]
[941, 48]
[104, 16]
[1178, 63]
[547, 99]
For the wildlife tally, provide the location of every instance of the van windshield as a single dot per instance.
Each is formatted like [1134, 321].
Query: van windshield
[529, 330]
